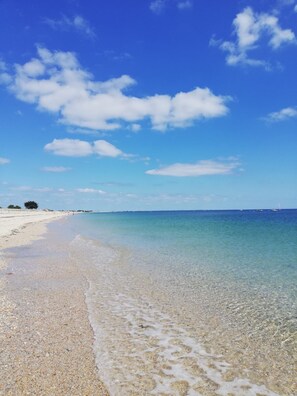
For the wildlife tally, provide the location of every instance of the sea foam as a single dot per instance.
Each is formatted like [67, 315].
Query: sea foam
[140, 349]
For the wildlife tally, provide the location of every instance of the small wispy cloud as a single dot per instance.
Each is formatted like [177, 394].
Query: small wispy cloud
[76, 23]
[201, 168]
[90, 191]
[43, 189]
[184, 5]
[114, 184]
[157, 6]
[4, 161]
[282, 115]
[22, 188]
[135, 127]
[5, 78]
[34, 189]
[117, 56]
[2, 65]
[249, 29]
[55, 169]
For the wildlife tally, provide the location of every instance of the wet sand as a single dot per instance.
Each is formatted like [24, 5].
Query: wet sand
[46, 341]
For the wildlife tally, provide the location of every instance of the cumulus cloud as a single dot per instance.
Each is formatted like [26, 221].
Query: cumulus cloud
[55, 82]
[70, 147]
[282, 115]
[105, 149]
[249, 28]
[201, 168]
[77, 23]
[81, 148]
[4, 161]
[55, 169]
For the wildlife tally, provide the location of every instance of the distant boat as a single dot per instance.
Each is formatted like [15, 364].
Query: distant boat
[276, 209]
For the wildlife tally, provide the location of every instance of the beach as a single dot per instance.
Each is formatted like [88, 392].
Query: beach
[162, 303]
[45, 337]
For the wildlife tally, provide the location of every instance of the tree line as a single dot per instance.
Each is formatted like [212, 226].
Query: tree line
[27, 205]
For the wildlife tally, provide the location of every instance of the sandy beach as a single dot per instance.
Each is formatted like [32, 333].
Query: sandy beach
[20, 227]
[45, 337]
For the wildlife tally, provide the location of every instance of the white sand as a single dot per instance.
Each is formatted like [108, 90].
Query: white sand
[45, 337]
[13, 221]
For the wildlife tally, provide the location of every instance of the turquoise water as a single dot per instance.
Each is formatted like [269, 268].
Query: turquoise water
[224, 282]
[251, 247]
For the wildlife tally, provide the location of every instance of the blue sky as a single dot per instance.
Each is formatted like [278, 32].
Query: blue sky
[152, 104]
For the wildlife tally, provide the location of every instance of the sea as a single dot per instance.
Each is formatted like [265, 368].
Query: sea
[191, 302]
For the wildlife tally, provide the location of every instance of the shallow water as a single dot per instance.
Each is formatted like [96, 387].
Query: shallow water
[189, 303]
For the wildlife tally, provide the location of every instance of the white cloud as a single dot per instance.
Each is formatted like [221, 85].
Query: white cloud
[105, 149]
[282, 115]
[81, 148]
[201, 168]
[23, 188]
[249, 28]
[77, 23]
[2, 65]
[157, 6]
[4, 161]
[135, 127]
[91, 191]
[64, 88]
[43, 189]
[184, 5]
[69, 147]
[282, 3]
[33, 189]
[55, 169]
[34, 68]
[117, 56]
[295, 8]
[5, 78]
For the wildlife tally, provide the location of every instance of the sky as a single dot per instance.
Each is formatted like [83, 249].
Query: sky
[148, 105]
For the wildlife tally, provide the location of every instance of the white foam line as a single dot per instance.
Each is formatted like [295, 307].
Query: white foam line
[149, 330]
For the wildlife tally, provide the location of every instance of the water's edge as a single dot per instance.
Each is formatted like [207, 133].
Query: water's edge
[139, 348]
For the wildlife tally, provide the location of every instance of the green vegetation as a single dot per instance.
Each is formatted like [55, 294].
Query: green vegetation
[31, 205]
[13, 207]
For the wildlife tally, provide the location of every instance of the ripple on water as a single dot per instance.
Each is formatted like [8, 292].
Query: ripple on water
[141, 350]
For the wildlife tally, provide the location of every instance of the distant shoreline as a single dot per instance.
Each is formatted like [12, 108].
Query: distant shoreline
[190, 210]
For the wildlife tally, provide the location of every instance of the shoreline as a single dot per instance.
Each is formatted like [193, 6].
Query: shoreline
[75, 309]
[46, 340]
[14, 225]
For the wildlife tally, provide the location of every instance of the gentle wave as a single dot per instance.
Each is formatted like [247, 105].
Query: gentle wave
[141, 350]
